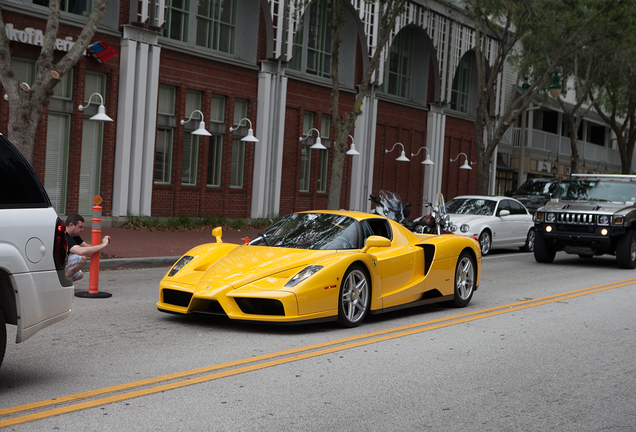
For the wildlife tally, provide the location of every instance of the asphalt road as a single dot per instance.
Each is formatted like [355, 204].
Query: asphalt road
[540, 347]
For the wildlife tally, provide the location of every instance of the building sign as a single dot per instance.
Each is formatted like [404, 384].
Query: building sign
[33, 36]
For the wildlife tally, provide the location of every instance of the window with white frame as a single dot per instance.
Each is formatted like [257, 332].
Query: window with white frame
[211, 22]
[460, 93]
[166, 100]
[177, 20]
[238, 162]
[214, 161]
[323, 163]
[217, 109]
[305, 152]
[56, 168]
[92, 138]
[63, 89]
[240, 110]
[312, 44]
[398, 80]
[163, 156]
[91, 165]
[24, 70]
[216, 25]
[191, 142]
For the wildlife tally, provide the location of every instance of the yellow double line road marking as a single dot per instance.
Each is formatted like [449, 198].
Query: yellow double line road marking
[150, 386]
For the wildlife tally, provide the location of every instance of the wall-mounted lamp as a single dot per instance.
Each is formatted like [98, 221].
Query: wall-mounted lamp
[250, 132]
[24, 86]
[101, 111]
[318, 145]
[465, 166]
[352, 151]
[555, 88]
[402, 157]
[427, 160]
[201, 130]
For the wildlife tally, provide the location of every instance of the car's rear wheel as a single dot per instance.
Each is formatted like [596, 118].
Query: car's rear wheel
[485, 240]
[626, 250]
[354, 297]
[465, 276]
[3, 337]
[542, 252]
[529, 246]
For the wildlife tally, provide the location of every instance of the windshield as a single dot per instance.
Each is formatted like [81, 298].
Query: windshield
[595, 190]
[539, 188]
[471, 206]
[311, 231]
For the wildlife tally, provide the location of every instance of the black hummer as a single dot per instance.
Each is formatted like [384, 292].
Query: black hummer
[589, 215]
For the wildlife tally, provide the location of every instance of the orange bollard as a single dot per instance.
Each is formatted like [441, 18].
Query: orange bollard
[96, 236]
[247, 240]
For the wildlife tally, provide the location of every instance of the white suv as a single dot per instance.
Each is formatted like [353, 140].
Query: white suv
[34, 292]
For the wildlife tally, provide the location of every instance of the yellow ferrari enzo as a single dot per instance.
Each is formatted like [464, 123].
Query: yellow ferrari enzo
[320, 266]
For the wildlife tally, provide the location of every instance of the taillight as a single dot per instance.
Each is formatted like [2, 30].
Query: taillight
[60, 245]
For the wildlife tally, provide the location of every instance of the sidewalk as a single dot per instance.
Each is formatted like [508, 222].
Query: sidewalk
[142, 249]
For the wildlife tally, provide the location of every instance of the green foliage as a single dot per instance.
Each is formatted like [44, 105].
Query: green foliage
[185, 223]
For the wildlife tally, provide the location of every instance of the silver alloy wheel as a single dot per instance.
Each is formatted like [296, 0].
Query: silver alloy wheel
[464, 278]
[530, 240]
[484, 242]
[632, 249]
[354, 296]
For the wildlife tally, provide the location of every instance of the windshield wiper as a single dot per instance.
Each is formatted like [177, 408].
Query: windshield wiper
[264, 237]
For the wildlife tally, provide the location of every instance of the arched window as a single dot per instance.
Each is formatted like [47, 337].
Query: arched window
[398, 81]
[312, 45]
[463, 97]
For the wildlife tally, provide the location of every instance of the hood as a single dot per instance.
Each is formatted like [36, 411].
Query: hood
[246, 264]
[585, 206]
[459, 219]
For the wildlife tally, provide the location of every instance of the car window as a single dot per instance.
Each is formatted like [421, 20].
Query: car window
[516, 208]
[538, 188]
[380, 227]
[21, 187]
[504, 205]
[471, 206]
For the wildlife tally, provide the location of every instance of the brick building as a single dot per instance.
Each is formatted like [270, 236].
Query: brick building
[243, 59]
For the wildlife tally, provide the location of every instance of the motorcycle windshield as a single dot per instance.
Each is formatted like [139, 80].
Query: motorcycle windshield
[391, 201]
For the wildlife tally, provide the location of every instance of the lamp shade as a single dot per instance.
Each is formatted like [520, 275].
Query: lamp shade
[318, 145]
[201, 130]
[352, 151]
[250, 136]
[101, 115]
[427, 161]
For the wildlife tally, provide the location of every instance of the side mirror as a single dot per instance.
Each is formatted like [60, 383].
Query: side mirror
[217, 233]
[376, 241]
[503, 213]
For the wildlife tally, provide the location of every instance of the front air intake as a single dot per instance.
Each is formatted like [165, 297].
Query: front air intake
[258, 306]
[177, 298]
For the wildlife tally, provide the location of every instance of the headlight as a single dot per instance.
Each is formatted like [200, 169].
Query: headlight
[453, 228]
[302, 275]
[550, 217]
[464, 228]
[603, 220]
[183, 261]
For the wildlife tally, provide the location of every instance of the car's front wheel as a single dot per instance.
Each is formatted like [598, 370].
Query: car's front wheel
[465, 276]
[542, 252]
[626, 250]
[3, 337]
[354, 297]
[529, 246]
[485, 240]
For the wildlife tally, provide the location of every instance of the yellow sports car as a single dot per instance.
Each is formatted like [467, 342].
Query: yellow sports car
[322, 266]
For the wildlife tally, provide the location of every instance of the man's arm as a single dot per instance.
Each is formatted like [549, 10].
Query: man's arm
[87, 250]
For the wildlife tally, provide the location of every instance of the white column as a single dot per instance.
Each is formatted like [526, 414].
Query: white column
[362, 166]
[136, 122]
[269, 129]
[435, 130]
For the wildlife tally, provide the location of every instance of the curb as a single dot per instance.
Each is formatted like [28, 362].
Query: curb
[137, 263]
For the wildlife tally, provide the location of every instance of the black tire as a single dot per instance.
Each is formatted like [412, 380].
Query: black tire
[586, 256]
[3, 337]
[530, 239]
[354, 297]
[626, 250]
[542, 252]
[465, 277]
[485, 241]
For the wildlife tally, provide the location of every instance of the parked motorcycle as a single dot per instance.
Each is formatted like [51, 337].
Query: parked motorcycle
[389, 204]
[437, 222]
